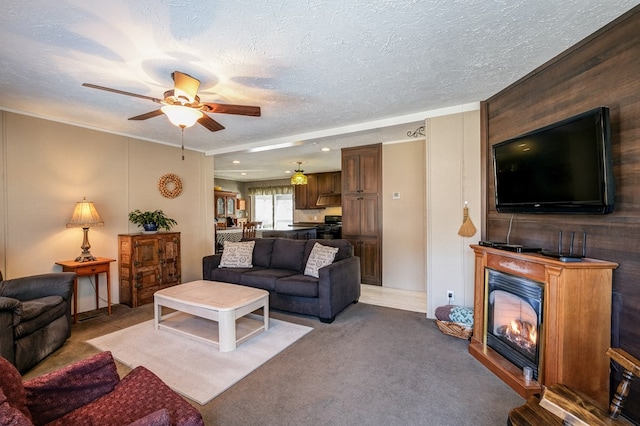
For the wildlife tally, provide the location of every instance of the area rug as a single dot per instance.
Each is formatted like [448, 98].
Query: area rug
[195, 369]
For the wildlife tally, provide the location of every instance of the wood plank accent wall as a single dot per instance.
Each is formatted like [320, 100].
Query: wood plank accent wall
[602, 70]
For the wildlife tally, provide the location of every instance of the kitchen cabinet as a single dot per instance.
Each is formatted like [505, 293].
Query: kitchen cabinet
[225, 202]
[329, 183]
[147, 263]
[362, 208]
[307, 195]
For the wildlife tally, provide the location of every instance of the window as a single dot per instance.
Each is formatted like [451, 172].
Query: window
[273, 206]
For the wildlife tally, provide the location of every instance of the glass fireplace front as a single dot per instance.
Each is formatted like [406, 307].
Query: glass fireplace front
[514, 318]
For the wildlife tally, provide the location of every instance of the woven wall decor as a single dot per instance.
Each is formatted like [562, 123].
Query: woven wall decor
[170, 185]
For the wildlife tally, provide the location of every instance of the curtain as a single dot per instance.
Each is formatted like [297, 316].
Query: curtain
[271, 190]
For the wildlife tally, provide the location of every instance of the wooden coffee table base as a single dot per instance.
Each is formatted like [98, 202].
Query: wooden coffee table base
[227, 304]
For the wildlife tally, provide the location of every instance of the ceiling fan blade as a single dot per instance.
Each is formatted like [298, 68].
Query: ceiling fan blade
[210, 123]
[253, 111]
[185, 85]
[120, 92]
[147, 115]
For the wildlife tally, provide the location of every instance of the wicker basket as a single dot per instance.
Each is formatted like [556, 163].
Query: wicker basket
[454, 329]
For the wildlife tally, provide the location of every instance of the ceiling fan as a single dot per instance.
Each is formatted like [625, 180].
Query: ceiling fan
[182, 104]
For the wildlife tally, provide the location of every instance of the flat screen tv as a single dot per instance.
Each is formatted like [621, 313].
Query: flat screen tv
[565, 167]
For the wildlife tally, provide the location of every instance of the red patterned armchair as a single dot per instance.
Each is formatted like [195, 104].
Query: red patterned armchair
[90, 392]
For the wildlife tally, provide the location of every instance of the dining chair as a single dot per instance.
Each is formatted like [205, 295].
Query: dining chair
[561, 405]
[249, 229]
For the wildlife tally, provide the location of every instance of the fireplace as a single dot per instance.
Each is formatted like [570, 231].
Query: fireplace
[514, 318]
[561, 316]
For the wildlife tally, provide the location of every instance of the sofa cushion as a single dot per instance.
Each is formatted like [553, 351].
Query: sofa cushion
[62, 391]
[237, 254]
[298, 285]
[288, 254]
[320, 256]
[262, 252]
[12, 389]
[10, 415]
[138, 394]
[264, 278]
[39, 313]
[345, 248]
[35, 307]
[229, 275]
[157, 418]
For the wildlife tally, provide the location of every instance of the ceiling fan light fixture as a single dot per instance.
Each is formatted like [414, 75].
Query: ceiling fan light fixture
[182, 116]
[299, 178]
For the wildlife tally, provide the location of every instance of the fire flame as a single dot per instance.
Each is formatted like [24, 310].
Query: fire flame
[524, 330]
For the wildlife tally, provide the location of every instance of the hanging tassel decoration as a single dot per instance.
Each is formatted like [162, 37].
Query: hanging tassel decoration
[467, 229]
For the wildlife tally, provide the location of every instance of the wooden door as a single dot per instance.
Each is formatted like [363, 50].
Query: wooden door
[370, 166]
[350, 216]
[146, 269]
[370, 267]
[170, 259]
[350, 172]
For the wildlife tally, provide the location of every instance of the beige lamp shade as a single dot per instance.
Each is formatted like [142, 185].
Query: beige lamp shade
[85, 216]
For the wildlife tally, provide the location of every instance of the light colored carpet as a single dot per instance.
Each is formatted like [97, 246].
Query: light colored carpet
[192, 368]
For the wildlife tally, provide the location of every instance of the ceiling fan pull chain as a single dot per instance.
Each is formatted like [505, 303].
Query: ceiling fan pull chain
[182, 140]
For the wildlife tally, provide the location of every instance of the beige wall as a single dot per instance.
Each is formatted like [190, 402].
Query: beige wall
[48, 167]
[453, 177]
[404, 231]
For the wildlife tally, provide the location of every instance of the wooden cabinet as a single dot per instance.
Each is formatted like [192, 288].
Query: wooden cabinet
[307, 195]
[329, 183]
[147, 263]
[225, 203]
[241, 204]
[362, 208]
[576, 321]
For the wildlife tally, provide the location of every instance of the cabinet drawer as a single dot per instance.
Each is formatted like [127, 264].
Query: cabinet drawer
[92, 269]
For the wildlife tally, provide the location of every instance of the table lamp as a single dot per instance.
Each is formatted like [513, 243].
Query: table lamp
[85, 216]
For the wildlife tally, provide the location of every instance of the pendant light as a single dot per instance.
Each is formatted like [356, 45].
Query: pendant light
[299, 178]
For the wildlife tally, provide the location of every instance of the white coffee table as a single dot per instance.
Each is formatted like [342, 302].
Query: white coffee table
[227, 304]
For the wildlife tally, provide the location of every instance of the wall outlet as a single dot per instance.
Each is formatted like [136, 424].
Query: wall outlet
[450, 295]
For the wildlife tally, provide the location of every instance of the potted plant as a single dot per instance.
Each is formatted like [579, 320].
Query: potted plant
[151, 221]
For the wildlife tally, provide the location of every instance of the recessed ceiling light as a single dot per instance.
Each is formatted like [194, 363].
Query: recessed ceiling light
[288, 171]
[236, 161]
[325, 149]
[243, 174]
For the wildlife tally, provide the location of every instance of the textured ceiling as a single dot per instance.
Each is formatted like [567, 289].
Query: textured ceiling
[324, 72]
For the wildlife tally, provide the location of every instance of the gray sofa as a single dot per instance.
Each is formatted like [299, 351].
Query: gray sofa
[278, 266]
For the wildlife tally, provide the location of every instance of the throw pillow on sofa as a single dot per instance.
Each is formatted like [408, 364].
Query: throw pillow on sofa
[320, 256]
[237, 255]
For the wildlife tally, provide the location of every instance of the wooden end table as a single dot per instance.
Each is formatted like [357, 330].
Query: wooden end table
[93, 267]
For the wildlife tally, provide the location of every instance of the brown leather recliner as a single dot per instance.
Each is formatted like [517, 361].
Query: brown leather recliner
[35, 317]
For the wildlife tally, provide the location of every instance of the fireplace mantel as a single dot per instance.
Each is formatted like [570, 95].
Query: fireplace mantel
[576, 321]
